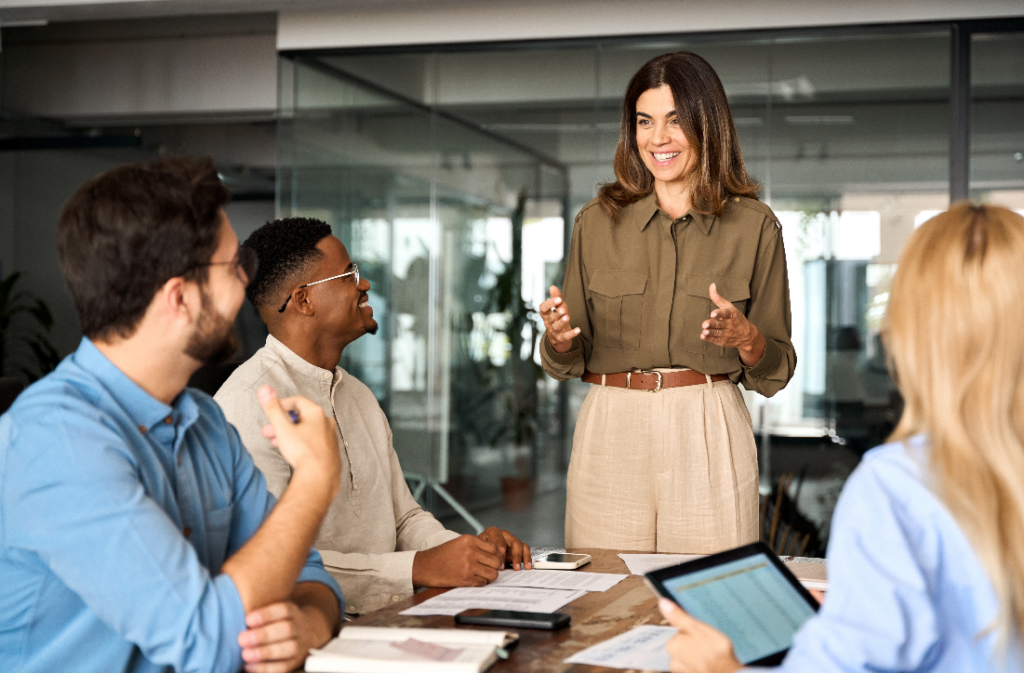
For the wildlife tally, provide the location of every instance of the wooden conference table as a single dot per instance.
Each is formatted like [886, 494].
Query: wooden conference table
[596, 617]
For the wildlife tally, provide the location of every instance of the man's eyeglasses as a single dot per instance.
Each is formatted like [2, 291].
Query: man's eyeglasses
[353, 272]
[246, 263]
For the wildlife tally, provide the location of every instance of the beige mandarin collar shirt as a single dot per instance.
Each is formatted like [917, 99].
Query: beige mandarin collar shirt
[374, 527]
[638, 291]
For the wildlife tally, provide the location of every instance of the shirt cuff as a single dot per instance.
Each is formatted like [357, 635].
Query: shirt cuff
[314, 571]
[769, 361]
[398, 566]
[565, 359]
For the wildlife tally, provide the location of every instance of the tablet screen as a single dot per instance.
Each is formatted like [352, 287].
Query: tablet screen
[748, 600]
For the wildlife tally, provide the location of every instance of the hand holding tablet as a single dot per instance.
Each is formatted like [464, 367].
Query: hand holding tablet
[746, 593]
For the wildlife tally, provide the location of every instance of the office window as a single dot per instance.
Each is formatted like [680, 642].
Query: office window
[466, 164]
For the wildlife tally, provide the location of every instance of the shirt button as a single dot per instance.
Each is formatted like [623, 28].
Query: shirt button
[327, 376]
[395, 599]
[187, 531]
[169, 420]
[142, 429]
[736, 199]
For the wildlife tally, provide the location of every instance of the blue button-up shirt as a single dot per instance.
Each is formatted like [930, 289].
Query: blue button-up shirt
[906, 589]
[116, 514]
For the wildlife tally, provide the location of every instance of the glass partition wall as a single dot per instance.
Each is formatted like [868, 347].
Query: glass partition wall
[452, 225]
[450, 170]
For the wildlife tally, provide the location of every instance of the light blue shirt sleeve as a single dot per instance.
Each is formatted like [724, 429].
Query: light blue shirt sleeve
[906, 590]
[878, 614]
[82, 509]
[255, 503]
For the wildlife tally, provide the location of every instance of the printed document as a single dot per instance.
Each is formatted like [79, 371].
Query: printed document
[641, 564]
[641, 648]
[523, 599]
[558, 579]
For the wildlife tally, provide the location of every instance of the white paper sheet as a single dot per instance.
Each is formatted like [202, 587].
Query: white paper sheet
[493, 597]
[640, 648]
[641, 564]
[558, 579]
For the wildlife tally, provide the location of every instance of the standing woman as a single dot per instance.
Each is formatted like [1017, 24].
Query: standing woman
[675, 284]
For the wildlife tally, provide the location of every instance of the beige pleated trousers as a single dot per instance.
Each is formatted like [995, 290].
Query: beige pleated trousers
[672, 471]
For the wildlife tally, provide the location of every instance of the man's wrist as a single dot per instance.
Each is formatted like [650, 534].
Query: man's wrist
[320, 486]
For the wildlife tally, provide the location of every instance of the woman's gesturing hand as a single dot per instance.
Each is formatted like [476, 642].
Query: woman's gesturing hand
[556, 321]
[697, 648]
[729, 328]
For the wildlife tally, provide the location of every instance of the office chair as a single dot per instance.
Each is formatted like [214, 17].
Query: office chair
[10, 388]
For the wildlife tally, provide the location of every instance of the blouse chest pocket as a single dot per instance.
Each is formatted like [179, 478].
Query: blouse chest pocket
[617, 306]
[698, 307]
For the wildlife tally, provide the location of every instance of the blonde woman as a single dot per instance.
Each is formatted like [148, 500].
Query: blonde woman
[926, 560]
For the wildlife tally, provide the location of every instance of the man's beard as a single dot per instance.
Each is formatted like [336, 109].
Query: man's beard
[214, 339]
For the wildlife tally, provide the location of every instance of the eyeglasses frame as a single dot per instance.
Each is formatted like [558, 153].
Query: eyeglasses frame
[241, 260]
[354, 271]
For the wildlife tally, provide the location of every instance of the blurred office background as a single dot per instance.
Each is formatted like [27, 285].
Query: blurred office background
[450, 146]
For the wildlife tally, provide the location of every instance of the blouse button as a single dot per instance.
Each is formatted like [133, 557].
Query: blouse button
[187, 531]
[169, 420]
[142, 429]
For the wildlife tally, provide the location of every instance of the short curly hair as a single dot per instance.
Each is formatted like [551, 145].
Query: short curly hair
[285, 248]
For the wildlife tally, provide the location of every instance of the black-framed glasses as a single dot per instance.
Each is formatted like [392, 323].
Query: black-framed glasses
[246, 263]
[353, 272]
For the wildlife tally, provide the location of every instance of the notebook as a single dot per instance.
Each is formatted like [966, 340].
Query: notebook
[373, 649]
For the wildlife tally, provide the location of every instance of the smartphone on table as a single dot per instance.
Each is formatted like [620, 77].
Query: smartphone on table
[561, 561]
[517, 620]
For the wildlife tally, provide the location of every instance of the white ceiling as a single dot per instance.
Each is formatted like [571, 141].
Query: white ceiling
[83, 10]
[821, 12]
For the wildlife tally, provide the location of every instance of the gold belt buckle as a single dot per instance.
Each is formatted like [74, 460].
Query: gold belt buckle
[657, 387]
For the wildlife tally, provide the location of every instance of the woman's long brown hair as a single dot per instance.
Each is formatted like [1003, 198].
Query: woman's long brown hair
[717, 171]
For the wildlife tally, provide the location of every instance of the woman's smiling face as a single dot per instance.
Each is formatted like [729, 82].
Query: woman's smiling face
[659, 136]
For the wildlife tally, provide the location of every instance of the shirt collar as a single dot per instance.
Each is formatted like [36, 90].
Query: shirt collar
[145, 410]
[301, 366]
[644, 210]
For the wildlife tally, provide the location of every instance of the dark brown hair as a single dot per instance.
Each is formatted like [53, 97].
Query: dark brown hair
[129, 230]
[703, 111]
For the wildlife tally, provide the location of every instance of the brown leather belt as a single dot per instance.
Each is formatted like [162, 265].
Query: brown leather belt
[650, 381]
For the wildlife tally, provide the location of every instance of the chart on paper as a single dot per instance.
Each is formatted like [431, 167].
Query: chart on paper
[640, 648]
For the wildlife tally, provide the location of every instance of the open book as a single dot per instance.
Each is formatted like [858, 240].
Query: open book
[374, 649]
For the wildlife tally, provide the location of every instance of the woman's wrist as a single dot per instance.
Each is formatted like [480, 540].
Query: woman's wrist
[561, 348]
[752, 352]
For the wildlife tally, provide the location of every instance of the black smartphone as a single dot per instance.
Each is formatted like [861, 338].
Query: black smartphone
[517, 620]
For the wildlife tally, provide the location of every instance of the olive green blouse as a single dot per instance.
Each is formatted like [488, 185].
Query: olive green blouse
[638, 291]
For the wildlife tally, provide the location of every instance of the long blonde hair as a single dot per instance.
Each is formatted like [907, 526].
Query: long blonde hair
[955, 333]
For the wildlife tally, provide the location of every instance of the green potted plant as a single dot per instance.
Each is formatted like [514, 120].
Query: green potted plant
[25, 350]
